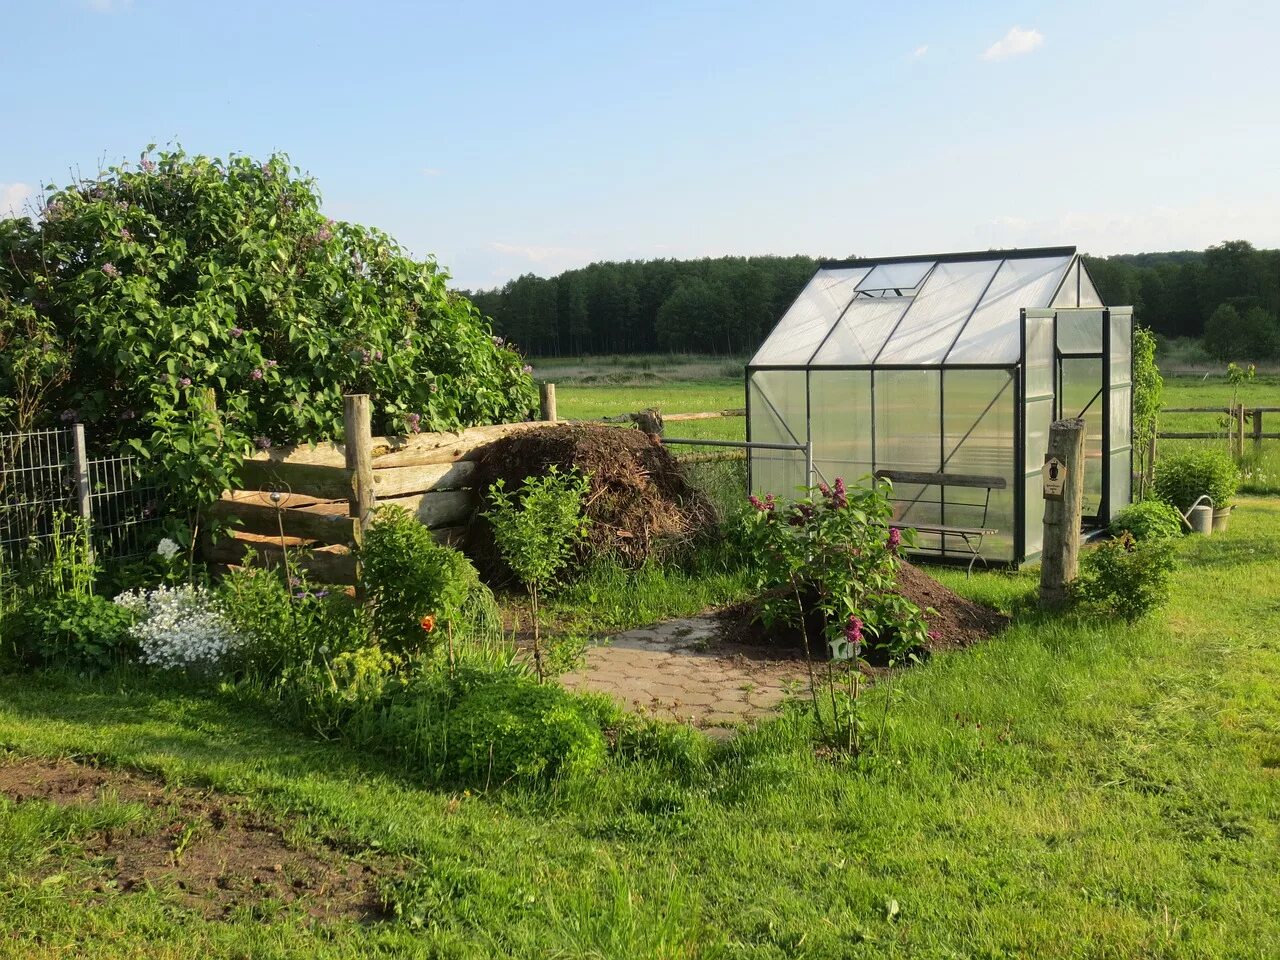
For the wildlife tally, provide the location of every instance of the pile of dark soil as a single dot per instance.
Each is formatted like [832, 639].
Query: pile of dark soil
[201, 850]
[640, 503]
[958, 622]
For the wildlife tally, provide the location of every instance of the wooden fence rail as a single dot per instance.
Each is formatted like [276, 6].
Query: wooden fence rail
[1238, 416]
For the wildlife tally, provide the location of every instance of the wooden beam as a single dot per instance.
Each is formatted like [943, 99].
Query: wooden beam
[444, 508]
[318, 480]
[266, 519]
[447, 447]
[398, 481]
[327, 565]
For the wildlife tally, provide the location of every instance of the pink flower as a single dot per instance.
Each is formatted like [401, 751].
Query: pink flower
[110, 270]
[185, 381]
[853, 633]
[895, 538]
[256, 375]
[237, 332]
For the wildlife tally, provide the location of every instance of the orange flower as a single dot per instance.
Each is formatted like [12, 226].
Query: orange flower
[428, 623]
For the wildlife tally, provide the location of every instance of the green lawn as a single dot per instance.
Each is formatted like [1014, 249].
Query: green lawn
[1064, 790]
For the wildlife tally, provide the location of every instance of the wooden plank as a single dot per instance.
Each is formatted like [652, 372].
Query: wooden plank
[443, 508]
[327, 565]
[306, 524]
[318, 480]
[398, 481]
[428, 448]
[1170, 435]
[296, 501]
[943, 479]
[710, 415]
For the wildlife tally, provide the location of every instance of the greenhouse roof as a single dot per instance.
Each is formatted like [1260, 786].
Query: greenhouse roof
[931, 310]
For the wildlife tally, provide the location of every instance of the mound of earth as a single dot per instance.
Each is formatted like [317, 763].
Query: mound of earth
[639, 501]
[956, 621]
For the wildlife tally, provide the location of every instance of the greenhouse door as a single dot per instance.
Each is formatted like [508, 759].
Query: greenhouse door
[1082, 391]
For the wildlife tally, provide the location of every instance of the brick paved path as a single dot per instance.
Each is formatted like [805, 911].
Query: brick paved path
[680, 670]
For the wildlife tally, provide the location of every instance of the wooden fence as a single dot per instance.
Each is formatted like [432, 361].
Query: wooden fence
[318, 499]
[1237, 417]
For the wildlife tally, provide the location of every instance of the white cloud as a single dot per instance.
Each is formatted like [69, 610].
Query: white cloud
[919, 51]
[13, 197]
[431, 171]
[1015, 43]
[108, 6]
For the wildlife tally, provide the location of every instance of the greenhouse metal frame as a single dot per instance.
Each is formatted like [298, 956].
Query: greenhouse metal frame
[942, 372]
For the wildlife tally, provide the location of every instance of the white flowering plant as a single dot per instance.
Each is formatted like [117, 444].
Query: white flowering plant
[180, 627]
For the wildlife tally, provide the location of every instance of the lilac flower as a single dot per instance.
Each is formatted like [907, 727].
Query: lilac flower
[407, 342]
[127, 414]
[69, 415]
[324, 234]
[272, 363]
[237, 332]
[122, 204]
[262, 443]
[377, 356]
[839, 498]
[853, 630]
[256, 375]
[934, 636]
[414, 422]
[295, 581]
[895, 538]
[110, 270]
[365, 356]
[769, 502]
[320, 594]
[125, 235]
[498, 341]
[185, 381]
[53, 210]
[147, 164]
[527, 369]
[756, 502]
[434, 388]
[267, 171]
[824, 490]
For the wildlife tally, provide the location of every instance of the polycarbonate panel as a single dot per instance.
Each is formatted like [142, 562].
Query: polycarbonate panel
[979, 440]
[1069, 292]
[1038, 363]
[1039, 414]
[841, 423]
[858, 335]
[1121, 481]
[1080, 331]
[1080, 395]
[939, 313]
[777, 410]
[908, 429]
[1121, 346]
[1033, 533]
[1119, 417]
[809, 319]
[896, 276]
[1088, 292]
[992, 334]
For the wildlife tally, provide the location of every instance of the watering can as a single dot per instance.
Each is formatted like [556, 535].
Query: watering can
[1199, 519]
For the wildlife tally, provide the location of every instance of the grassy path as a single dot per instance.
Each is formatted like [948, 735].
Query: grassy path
[1063, 791]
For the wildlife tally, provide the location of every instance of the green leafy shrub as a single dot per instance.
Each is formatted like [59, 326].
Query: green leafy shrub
[536, 530]
[1183, 477]
[159, 289]
[838, 547]
[1148, 519]
[486, 727]
[416, 586]
[1125, 577]
[287, 622]
[77, 630]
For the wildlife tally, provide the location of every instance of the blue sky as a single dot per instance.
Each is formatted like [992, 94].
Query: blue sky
[513, 137]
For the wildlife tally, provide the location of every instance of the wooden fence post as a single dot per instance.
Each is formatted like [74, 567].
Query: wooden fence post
[549, 402]
[84, 496]
[1257, 429]
[1059, 561]
[357, 439]
[1237, 432]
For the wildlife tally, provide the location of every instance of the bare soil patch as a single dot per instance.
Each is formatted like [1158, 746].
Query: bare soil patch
[199, 847]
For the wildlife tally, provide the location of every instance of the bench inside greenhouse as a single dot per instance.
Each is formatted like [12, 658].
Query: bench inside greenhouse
[970, 536]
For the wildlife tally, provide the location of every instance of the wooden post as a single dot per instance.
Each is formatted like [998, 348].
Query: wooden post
[549, 402]
[357, 438]
[1257, 429]
[1059, 562]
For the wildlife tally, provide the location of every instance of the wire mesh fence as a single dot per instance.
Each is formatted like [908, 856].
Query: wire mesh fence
[720, 475]
[40, 495]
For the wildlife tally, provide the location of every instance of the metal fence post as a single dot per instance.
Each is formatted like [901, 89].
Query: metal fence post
[80, 466]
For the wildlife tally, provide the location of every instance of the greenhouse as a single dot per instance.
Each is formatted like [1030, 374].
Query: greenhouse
[942, 373]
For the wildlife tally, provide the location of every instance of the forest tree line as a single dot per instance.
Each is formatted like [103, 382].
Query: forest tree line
[1227, 295]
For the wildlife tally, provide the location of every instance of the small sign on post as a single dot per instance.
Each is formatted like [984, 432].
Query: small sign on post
[1055, 478]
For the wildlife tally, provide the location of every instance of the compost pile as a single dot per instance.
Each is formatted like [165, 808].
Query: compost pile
[957, 622]
[640, 503]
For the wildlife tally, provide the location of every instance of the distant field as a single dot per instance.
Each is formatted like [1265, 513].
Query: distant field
[600, 387]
